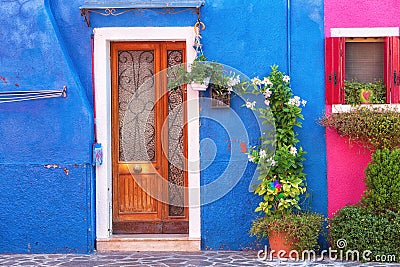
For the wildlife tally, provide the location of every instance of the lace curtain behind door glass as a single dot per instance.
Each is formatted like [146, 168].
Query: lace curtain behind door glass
[136, 105]
[176, 158]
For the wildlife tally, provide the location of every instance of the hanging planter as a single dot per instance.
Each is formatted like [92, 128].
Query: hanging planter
[201, 72]
[196, 86]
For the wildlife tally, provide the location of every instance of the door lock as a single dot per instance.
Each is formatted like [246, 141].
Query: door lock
[137, 169]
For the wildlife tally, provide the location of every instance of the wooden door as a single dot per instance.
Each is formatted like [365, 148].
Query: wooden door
[149, 147]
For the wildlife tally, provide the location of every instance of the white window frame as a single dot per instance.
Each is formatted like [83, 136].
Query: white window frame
[363, 32]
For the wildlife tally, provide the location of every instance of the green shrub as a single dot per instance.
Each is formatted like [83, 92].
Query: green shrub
[383, 181]
[376, 128]
[365, 230]
[304, 227]
[374, 224]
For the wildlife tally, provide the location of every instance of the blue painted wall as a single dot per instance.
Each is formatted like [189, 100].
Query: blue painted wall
[45, 145]
[251, 36]
[45, 45]
[307, 72]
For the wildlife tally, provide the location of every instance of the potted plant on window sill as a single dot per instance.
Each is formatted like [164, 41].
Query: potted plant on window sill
[364, 95]
[282, 180]
[357, 93]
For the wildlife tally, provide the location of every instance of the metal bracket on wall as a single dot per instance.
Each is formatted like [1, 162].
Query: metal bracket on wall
[111, 8]
[18, 96]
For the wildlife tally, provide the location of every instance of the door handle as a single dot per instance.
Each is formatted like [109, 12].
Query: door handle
[334, 78]
[157, 167]
[137, 169]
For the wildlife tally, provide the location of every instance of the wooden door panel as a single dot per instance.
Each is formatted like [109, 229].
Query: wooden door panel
[151, 227]
[137, 226]
[140, 129]
[135, 131]
[135, 196]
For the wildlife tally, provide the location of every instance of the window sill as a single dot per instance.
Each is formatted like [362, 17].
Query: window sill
[347, 108]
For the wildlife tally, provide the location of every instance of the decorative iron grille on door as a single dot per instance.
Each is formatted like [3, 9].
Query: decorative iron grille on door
[149, 140]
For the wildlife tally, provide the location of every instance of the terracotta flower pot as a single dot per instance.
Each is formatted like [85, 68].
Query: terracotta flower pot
[279, 241]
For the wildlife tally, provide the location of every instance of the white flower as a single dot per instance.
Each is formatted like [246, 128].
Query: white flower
[263, 154]
[233, 81]
[250, 104]
[293, 150]
[303, 102]
[286, 79]
[266, 81]
[272, 161]
[267, 93]
[294, 101]
[256, 81]
[266, 102]
[250, 157]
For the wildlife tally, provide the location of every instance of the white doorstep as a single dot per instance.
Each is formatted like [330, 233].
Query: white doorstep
[148, 242]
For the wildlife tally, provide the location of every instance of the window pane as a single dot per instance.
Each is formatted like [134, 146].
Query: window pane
[364, 61]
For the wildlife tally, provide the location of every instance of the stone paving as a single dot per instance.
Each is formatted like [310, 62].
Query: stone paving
[202, 258]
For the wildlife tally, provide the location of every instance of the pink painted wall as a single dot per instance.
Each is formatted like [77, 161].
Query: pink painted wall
[346, 162]
[361, 13]
[346, 165]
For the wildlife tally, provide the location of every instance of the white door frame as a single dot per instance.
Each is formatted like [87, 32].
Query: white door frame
[102, 83]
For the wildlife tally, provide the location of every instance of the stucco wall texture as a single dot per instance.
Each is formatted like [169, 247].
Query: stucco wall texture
[45, 145]
[347, 162]
[360, 14]
[251, 36]
[45, 45]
